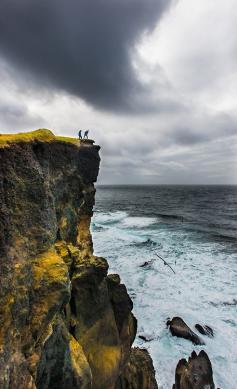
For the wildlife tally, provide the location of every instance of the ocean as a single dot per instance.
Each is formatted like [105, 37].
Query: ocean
[194, 229]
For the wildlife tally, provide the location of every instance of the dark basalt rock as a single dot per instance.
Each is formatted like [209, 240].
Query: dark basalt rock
[205, 330]
[122, 306]
[179, 328]
[139, 372]
[196, 373]
[147, 263]
[146, 337]
[63, 323]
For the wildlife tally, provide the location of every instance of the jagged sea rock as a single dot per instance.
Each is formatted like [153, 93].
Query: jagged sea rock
[63, 322]
[205, 330]
[196, 373]
[139, 372]
[179, 328]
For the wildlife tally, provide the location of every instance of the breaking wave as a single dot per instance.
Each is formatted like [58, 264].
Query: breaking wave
[200, 247]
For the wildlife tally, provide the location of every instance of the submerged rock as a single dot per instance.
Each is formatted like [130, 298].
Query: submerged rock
[146, 264]
[179, 328]
[196, 373]
[147, 243]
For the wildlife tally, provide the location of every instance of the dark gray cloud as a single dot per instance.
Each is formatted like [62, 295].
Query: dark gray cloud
[81, 46]
[209, 129]
[171, 119]
[17, 116]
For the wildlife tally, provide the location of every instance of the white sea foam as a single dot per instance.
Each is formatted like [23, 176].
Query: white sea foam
[104, 218]
[205, 279]
[138, 222]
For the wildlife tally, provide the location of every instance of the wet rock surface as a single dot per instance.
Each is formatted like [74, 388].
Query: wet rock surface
[205, 330]
[146, 337]
[179, 328]
[196, 373]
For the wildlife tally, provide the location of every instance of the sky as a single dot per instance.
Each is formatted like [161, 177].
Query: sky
[155, 82]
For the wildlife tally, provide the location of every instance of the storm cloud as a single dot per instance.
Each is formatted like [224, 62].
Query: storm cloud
[81, 46]
[154, 81]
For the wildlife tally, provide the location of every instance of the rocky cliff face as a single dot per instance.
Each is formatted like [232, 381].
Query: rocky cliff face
[64, 323]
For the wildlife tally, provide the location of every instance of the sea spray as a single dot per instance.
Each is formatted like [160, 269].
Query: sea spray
[205, 267]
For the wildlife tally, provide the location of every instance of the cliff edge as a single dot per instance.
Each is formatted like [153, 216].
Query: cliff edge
[64, 323]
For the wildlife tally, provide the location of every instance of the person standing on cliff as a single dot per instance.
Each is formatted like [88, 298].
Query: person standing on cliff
[79, 134]
[86, 134]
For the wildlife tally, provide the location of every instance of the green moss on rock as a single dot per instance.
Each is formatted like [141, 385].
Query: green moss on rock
[41, 135]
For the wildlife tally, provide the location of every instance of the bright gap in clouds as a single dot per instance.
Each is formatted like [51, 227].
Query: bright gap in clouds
[196, 44]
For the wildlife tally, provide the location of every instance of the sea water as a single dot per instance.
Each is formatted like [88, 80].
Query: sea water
[194, 229]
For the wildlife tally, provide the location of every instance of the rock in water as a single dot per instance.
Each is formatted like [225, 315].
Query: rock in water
[196, 373]
[63, 322]
[146, 263]
[179, 328]
[146, 337]
[205, 330]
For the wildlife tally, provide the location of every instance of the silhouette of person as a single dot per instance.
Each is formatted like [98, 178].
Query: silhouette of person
[79, 134]
[86, 134]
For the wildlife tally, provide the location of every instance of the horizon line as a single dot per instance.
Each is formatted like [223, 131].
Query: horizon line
[165, 184]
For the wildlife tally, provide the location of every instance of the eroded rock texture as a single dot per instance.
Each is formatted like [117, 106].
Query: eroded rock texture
[179, 328]
[205, 330]
[139, 372]
[196, 373]
[63, 322]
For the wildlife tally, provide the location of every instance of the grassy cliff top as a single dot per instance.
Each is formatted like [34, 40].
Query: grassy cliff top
[42, 135]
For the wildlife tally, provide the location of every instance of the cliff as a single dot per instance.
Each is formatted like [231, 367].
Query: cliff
[64, 323]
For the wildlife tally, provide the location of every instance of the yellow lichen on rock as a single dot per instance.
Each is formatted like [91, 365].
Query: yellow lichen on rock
[105, 362]
[51, 289]
[64, 323]
[84, 239]
[48, 268]
[63, 251]
[102, 348]
[80, 364]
